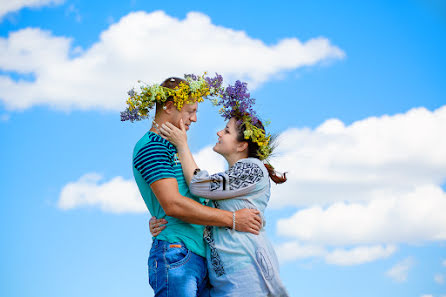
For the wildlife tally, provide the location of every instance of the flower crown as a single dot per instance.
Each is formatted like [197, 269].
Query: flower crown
[235, 101]
[140, 103]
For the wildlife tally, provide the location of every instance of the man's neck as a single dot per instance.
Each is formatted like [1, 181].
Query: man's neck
[157, 122]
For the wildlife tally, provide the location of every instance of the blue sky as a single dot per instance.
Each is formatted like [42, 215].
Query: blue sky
[356, 92]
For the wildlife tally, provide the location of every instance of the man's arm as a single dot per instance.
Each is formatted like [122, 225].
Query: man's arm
[188, 210]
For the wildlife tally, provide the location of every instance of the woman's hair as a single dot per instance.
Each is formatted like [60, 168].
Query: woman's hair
[171, 83]
[253, 150]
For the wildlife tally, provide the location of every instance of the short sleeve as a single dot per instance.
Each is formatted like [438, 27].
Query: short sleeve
[153, 161]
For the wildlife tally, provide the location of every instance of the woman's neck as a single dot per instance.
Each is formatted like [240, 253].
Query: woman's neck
[232, 159]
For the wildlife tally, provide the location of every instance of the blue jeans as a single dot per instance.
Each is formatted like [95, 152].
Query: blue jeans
[176, 271]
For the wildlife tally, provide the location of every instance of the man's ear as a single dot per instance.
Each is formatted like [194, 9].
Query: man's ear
[168, 107]
[242, 146]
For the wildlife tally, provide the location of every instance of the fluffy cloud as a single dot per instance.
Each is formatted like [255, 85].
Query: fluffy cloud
[413, 217]
[400, 271]
[359, 255]
[377, 181]
[293, 250]
[375, 157]
[209, 160]
[119, 195]
[7, 6]
[116, 196]
[147, 46]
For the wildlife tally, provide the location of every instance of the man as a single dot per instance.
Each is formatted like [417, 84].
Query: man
[177, 264]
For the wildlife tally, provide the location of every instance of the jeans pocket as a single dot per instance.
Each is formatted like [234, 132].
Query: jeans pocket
[176, 255]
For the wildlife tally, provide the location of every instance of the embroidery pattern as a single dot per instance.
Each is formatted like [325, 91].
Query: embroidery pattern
[241, 175]
[215, 182]
[217, 264]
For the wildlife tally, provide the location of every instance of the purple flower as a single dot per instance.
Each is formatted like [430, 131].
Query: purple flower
[236, 101]
[215, 82]
[191, 77]
[131, 93]
[131, 116]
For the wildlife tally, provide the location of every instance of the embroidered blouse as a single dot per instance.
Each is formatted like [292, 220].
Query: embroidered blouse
[239, 263]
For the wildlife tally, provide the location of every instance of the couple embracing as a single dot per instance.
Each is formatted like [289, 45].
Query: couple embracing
[208, 230]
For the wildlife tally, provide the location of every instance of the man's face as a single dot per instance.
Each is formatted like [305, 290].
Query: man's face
[188, 113]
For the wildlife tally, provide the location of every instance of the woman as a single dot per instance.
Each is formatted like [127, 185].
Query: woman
[238, 263]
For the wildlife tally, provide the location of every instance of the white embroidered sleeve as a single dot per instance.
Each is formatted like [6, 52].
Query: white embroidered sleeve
[241, 179]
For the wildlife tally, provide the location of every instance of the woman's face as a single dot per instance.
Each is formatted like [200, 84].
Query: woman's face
[227, 139]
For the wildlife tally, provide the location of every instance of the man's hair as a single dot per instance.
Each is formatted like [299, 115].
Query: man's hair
[171, 83]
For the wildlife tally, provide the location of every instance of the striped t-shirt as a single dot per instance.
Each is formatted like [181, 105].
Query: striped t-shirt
[155, 158]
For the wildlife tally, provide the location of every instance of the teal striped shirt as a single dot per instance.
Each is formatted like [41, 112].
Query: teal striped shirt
[155, 158]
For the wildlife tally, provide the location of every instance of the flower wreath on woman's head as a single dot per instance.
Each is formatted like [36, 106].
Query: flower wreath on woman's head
[237, 103]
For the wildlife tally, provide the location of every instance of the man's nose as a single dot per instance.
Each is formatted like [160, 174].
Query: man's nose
[193, 118]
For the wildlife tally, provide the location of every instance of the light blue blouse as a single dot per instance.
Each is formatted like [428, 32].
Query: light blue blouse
[239, 263]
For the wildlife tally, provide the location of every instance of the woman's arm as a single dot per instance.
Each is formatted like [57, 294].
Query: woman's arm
[241, 179]
[178, 137]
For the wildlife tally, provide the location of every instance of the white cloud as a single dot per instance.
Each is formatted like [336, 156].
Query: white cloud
[359, 255]
[116, 195]
[400, 271]
[119, 195]
[290, 251]
[374, 157]
[209, 160]
[439, 279]
[413, 217]
[444, 263]
[427, 295]
[377, 181]
[293, 250]
[7, 6]
[141, 46]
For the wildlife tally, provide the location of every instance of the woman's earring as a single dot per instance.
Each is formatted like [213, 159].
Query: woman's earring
[164, 107]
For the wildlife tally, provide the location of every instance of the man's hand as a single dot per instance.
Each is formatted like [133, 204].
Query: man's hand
[248, 220]
[156, 226]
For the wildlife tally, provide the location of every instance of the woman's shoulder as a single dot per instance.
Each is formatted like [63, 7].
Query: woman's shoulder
[251, 166]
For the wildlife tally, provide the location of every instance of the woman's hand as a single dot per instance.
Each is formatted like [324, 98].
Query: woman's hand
[156, 226]
[177, 137]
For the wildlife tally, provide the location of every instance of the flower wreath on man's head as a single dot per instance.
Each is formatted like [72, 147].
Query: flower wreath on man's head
[235, 101]
[140, 103]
